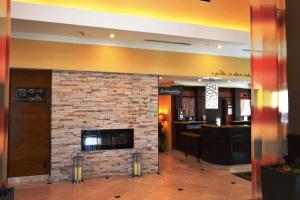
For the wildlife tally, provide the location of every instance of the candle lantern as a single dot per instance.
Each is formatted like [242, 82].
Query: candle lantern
[137, 165]
[77, 169]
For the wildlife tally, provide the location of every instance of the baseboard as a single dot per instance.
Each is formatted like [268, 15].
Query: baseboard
[28, 179]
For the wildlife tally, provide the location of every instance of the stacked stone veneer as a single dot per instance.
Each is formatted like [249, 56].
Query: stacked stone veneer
[91, 100]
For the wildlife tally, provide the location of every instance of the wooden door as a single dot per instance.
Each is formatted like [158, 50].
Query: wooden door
[30, 123]
[227, 111]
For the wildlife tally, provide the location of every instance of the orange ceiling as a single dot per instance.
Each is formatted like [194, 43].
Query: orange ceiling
[231, 14]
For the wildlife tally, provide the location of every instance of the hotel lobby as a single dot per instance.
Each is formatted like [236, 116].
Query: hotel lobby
[168, 100]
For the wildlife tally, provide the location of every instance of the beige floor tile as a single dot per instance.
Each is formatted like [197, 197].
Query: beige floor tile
[197, 181]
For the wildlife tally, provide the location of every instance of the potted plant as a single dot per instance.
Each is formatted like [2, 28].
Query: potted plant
[281, 182]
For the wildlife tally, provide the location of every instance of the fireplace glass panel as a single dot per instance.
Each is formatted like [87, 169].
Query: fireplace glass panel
[92, 140]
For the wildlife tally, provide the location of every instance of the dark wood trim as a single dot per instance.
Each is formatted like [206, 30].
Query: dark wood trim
[30, 140]
[173, 118]
[293, 146]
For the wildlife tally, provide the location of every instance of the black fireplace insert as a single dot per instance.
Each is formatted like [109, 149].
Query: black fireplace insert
[105, 139]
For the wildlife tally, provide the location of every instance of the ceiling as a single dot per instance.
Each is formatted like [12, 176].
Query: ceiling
[37, 30]
[228, 14]
[168, 81]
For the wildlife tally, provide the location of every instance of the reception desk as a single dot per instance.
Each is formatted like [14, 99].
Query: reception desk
[226, 145]
[180, 127]
[241, 122]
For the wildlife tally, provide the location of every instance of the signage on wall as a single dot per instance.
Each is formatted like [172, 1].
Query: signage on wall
[231, 74]
[174, 91]
[30, 94]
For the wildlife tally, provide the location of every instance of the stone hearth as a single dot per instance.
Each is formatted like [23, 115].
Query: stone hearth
[92, 100]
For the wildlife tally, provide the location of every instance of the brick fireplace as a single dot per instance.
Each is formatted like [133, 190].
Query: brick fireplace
[92, 100]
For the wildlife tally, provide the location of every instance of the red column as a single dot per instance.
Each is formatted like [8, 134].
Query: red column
[4, 86]
[269, 88]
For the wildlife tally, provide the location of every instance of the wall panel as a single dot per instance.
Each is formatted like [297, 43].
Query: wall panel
[269, 88]
[4, 85]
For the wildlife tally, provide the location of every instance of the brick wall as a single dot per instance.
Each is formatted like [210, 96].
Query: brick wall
[92, 100]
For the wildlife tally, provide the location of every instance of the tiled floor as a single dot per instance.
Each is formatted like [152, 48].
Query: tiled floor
[177, 172]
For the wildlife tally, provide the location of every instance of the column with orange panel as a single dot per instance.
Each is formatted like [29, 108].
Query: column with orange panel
[4, 86]
[269, 88]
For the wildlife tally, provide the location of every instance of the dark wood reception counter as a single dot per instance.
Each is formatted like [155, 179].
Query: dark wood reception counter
[190, 122]
[180, 127]
[188, 137]
[226, 144]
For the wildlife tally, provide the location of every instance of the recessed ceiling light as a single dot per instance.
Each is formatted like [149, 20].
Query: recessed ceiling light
[82, 33]
[219, 46]
[200, 79]
[161, 78]
[111, 35]
[229, 81]
[212, 78]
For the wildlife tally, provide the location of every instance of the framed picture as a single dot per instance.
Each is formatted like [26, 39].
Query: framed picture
[189, 105]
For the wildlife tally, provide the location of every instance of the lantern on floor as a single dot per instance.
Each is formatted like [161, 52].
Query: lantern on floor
[137, 165]
[77, 169]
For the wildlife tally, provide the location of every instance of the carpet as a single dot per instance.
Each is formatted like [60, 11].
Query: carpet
[244, 175]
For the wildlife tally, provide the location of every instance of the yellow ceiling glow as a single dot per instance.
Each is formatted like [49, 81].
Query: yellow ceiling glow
[230, 14]
[67, 56]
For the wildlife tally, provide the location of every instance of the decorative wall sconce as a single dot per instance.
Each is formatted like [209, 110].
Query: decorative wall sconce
[161, 135]
[162, 117]
[211, 96]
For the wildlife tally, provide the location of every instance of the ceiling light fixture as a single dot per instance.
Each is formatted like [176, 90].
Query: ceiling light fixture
[82, 33]
[167, 42]
[229, 81]
[161, 78]
[111, 35]
[200, 79]
[249, 50]
[219, 46]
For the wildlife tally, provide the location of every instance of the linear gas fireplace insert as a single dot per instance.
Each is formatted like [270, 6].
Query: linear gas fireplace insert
[105, 139]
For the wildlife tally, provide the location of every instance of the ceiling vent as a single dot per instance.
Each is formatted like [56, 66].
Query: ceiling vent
[168, 42]
[249, 50]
